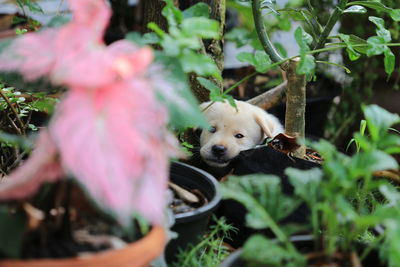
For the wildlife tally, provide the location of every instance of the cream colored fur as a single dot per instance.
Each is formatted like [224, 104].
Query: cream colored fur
[249, 121]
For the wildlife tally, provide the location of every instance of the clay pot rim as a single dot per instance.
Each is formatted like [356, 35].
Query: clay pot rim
[145, 249]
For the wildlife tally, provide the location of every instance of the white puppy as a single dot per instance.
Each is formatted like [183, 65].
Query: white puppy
[234, 130]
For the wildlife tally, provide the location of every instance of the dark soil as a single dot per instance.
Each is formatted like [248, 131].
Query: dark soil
[179, 205]
[70, 225]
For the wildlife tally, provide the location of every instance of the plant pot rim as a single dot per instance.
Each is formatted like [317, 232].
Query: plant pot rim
[137, 254]
[185, 216]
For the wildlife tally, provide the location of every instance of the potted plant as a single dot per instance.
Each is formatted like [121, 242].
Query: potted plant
[109, 133]
[191, 223]
[344, 199]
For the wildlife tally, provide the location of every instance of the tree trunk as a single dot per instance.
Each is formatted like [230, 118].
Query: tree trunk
[295, 105]
[214, 48]
[151, 12]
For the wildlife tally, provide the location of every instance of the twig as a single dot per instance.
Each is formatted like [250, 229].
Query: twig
[13, 125]
[335, 16]
[21, 124]
[392, 175]
[263, 36]
[269, 98]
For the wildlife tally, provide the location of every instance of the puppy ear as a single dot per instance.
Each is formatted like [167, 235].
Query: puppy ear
[266, 125]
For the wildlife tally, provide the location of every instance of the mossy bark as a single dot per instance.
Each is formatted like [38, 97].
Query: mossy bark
[295, 105]
[213, 48]
[151, 10]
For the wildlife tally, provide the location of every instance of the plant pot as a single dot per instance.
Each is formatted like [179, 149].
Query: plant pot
[137, 254]
[191, 225]
[305, 244]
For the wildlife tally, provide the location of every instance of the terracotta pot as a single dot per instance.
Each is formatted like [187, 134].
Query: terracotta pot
[137, 254]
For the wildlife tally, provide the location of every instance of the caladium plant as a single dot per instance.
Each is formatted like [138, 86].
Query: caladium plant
[109, 131]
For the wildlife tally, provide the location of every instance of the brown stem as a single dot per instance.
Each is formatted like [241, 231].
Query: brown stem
[295, 105]
[18, 130]
[270, 98]
[21, 124]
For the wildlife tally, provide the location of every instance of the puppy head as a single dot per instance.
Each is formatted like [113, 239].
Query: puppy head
[233, 130]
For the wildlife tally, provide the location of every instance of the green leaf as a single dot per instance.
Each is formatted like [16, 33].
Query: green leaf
[305, 182]
[377, 45]
[261, 251]
[371, 4]
[379, 120]
[262, 196]
[16, 140]
[201, 64]
[246, 57]
[156, 29]
[240, 36]
[197, 10]
[297, 14]
[389, 61]
[365, 163]
[260, 60]
[307, 65]
[307, 62]
[352, 53]
[395, 14]
[12, 229]
[355, 9]
[173, 15]
[58, 21]
[391, 194]
[182, 106]
[381, 31]
[303, 39]
[32, 6]
[146, 39]
[209, 85]
[201, 27]
[355, 40]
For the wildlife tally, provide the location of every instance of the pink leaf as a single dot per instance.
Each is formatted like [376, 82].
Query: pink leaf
[41, 166]
[113, 141]
[110, 131]
[32, 54]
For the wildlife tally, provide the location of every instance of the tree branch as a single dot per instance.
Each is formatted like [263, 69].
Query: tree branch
[262, 34]
[335, 16]
[270, 98]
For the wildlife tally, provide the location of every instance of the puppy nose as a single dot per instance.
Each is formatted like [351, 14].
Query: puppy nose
[218, 150]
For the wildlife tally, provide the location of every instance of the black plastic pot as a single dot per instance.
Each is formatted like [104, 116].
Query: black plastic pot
[305, 244]
[191, 225]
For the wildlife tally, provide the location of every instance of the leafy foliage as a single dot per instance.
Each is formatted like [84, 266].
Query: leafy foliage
[184, 38]
[103, 128]
[340, 197]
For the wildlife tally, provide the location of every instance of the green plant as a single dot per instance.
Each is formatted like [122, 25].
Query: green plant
[313, 39]
[344, 198]
[17, 110]
[363, 126]
[211, 250]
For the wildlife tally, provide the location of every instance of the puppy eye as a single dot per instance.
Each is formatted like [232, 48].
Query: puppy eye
[239, 135]
[212, 129]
